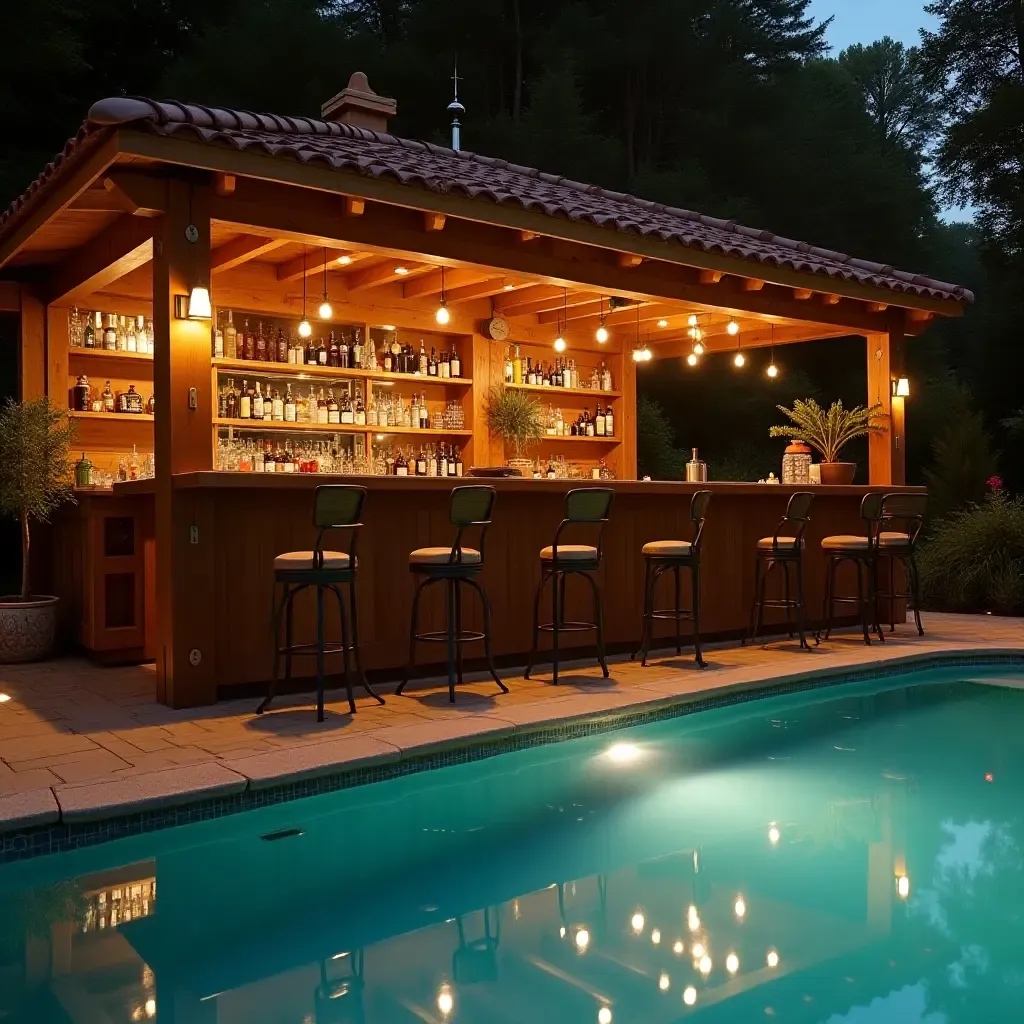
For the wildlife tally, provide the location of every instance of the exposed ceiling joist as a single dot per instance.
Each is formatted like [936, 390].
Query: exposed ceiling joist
[240, 250]
[384, 272]
[430, 283]
[117, 250]
[314, 262]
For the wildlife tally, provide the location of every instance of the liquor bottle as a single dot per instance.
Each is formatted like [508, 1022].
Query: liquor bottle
[551, 474]
[132, 400]
[356, 353]
[442, 461]
[575, 376]
[344, 353]
[222, 403]
[424, 414]
[606, 378]
[347, 413]
[406, 413]
[445, 370]
[108, 398]
[83, 400]
[360, 412]
[218, 341]
[389, 366]
[277, 407]
[289, 406]
[531, 371]
[122, 335]
[333, 350]
[310, 357]
[250, 343]
[322, 415]
[244, 402]
[333, 412]
[150, 336]
[230, 338]
[282, 346]
[431, 462]
[131, 342]
[517, 367]
[396, 351]
[559, 423]
[401, 465]
[609, 422]
[432, 363]
[133, 464]
[599, 422]
[589, 424]
[421, 463]
[232, 400]
[110, 334]
[455, 364]
[257, 403]
[371, 412]
[458, 462]
[89, 335]
[260, 344]
[509, 378]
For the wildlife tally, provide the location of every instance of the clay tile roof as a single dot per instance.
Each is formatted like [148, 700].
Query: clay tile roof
[417, 164]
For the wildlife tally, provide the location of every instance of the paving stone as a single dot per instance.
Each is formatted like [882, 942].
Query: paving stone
[314, 759]
[19, 782]
[42, 746]
[432, 735]
[29, 809]
[97, 766]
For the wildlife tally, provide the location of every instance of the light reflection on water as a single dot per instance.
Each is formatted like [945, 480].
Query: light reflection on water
[829, 857]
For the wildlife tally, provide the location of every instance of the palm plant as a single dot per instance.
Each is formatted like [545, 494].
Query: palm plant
[513, 416]
[828, 432]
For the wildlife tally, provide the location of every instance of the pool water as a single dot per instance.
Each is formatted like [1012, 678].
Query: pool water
[840, 856]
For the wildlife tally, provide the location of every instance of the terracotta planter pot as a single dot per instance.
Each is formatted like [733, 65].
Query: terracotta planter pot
[838, 472]
[28, 629]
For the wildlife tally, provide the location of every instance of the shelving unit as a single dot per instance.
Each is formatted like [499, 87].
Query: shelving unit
[563, 438]
[546, 389]
[119, 417]
[304, 371]
[103, 355]
[259, 426]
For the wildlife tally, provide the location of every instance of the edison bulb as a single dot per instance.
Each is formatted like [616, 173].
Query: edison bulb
[561, 932]
[305, 329]
[663, 323]
[740, 907]
[772, 371]
[601, 334]
[691, 359]
[445, 1000]
[677, 947]
[689, 995]
[698, 950]
[693, 918]
[692, 320]
[559, 344]
[733, 328]
[663, 982]
[732, 963]
[705, 964]
[637, 922]
[774, 835]
[739, 359]
[582, 939]
[656, 937]
[442, 316]
[698, 349]
[638, 355]
[604, 1015]
[326, 311]
[772, 959]
[903, 887]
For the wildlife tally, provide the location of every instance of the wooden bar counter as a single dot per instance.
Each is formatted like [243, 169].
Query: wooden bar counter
[233, 525]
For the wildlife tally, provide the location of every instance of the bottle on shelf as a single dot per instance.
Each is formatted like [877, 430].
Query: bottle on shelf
[218, 342]
[322, 412]
[372, 412]
[281, 347]
[599, 422]
[609, 421]
[89, 334]
[517, 367]
[249, 342]
[131, 340]
[359, 413]
[110, 334]
[108, 398]
[509, 371]
[344, 353]
[257, 403]
[231, 401]
[333, 350]
[606, 378]
[83, 394]
[260, 344]
[455, 363]
[348, 414]
[245, 402]
[230, 338]
[432, 368]
[133, 464]
[122, 335]
[150, 336]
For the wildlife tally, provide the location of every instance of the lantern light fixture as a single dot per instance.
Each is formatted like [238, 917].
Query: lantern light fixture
[194, 306]
[901, 388]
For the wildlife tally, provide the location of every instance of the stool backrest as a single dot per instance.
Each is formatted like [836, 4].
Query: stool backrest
[698, 514]
[470, 506]
[794, 522]
[586, 506]
[871, 508]
[337, 507]
[903, 513]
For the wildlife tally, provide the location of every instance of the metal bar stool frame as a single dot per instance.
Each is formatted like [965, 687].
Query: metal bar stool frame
[336, 508]
[786, 550]
[864, 556]
[901, 515]
[656, 565]
[470, 508]
[586, 507]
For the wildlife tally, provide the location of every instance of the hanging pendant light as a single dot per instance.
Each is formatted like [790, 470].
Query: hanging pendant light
[305, 328]
[602, 332]
[739, 360]
[732, 328]
[326, 312]
[772, 371]
[560, 345]
[641, 354]
[442, 316]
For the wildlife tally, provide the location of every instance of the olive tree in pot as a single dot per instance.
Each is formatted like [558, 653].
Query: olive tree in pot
[829, 431]
[515, 417]
[35, 478]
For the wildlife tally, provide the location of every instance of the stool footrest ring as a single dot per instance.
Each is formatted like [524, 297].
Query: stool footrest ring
[567, 627]
[441, 636]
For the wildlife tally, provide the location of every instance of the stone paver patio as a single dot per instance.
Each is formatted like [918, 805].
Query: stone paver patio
[79, 742]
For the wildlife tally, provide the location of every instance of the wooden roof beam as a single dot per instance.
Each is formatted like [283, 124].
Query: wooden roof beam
[140, 195]
[752, 284]
[430, 283]
[710, 276]
[117, 250]
[385, 272]
[433, 221]
[481, 290]
[240, 250]
[553, 304]
[628, 260]
[354, 207]
[803, 294]
[314, 263]
[224, 184]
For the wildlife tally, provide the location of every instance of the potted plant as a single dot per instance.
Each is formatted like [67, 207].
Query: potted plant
[515, 417]
[829, 431]
[35, 478]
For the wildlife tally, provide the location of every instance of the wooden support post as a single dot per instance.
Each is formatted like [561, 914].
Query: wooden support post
[181, 378]
[887, 451]
[32, 350]
[57, 356]
[625, 415]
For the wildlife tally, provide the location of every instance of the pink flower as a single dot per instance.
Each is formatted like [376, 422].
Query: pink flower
[995, 483]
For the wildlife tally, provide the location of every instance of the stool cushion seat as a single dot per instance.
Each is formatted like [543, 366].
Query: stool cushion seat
[784, 543]
[894, 540]
[844, 542]
[300, 561]
[570, 553]
[442, 556]
[668, 548]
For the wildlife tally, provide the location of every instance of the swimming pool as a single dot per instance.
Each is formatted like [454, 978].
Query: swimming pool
[845, 855]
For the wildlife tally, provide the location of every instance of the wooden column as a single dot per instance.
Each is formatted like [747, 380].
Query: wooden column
[625, 410]
[887, 451]
[32, 350]
[181, 379]
[57, 355]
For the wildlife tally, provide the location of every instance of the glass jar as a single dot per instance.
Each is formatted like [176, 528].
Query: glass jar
[796, 463]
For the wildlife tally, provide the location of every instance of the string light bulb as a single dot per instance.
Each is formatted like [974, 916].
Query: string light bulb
[560, 345]
[739, 360]
[692, 320]
[691, 359]
[698, 347]
[442, 316]
[305, 329]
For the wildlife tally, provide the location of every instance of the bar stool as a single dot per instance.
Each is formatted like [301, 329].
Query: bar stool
[784, 548]
[862, 553]
[584, 507]
[901, 517]
[661, 556]
[470, 507]
[335, 507]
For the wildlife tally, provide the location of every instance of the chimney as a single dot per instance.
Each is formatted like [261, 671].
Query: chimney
[358, 104]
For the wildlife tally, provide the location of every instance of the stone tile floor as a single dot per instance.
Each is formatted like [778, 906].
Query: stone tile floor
[69, 725]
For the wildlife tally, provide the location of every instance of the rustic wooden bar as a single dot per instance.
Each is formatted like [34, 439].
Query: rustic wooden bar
[222, 586]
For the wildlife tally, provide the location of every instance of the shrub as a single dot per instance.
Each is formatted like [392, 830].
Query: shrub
[973, 559]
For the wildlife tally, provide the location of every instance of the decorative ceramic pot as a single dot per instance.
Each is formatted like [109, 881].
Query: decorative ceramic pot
[838, 472]
[28, 629]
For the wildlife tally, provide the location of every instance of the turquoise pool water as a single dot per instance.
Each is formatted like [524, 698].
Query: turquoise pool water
[844, 856]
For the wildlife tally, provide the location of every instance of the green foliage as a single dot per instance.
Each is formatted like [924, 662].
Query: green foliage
[32, 913]
[35, 466]
[515, 417]
[973, 559]
[963, 462]
[828, 432]
[656, 453]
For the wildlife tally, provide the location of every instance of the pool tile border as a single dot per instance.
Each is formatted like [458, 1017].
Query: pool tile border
[64, 836]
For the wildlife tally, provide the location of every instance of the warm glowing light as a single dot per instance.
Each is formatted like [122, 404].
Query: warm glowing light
[510, 287]
[656, 937]
[601, 334]
[663, 323]
[698, 349]
[732, 963]
[902, 388]
[582, 939]
[772, 959]
[199, 304]
[691, 359]
[989, 776]
[638, 356]
[445, 1000]
[692, 320]
[150, 1007]
[387, 327]
[740, 907]
[689, 995]
[559, 344]
[623, 753]
[326, 311]
[774, 835]
[698, 950]
[677, 947]
[442, 316]
[637, 922]
[604, 1015]
[305, 329]
[664, 981]
[561, 932]
[772, 371]
[380, 437]
[739, 359]
[733, 328]
[344, 260]
[693, 918]
[401, 271]
[4, 698]
[705, 965]
[902, 887]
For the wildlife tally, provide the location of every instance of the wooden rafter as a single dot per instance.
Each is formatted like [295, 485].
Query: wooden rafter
[480, 290]
[384, 272]
[139, 194]
[314, 263]
[628, 260]
[430, 283]
[240, 250]
[710, 276]
[117, 250]
[542, 299]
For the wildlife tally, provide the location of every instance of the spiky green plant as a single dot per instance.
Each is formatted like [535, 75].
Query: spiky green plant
[514, 416]
[828, 432]
[35, 467]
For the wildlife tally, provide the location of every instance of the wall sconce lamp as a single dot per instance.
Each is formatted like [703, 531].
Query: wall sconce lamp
[901, 388]
[194, 306]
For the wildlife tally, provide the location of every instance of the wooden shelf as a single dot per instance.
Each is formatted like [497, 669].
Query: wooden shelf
[333, 428]
[119, 417]
[563, 438]
[302, 371]
[102, 353]
[548, 390]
